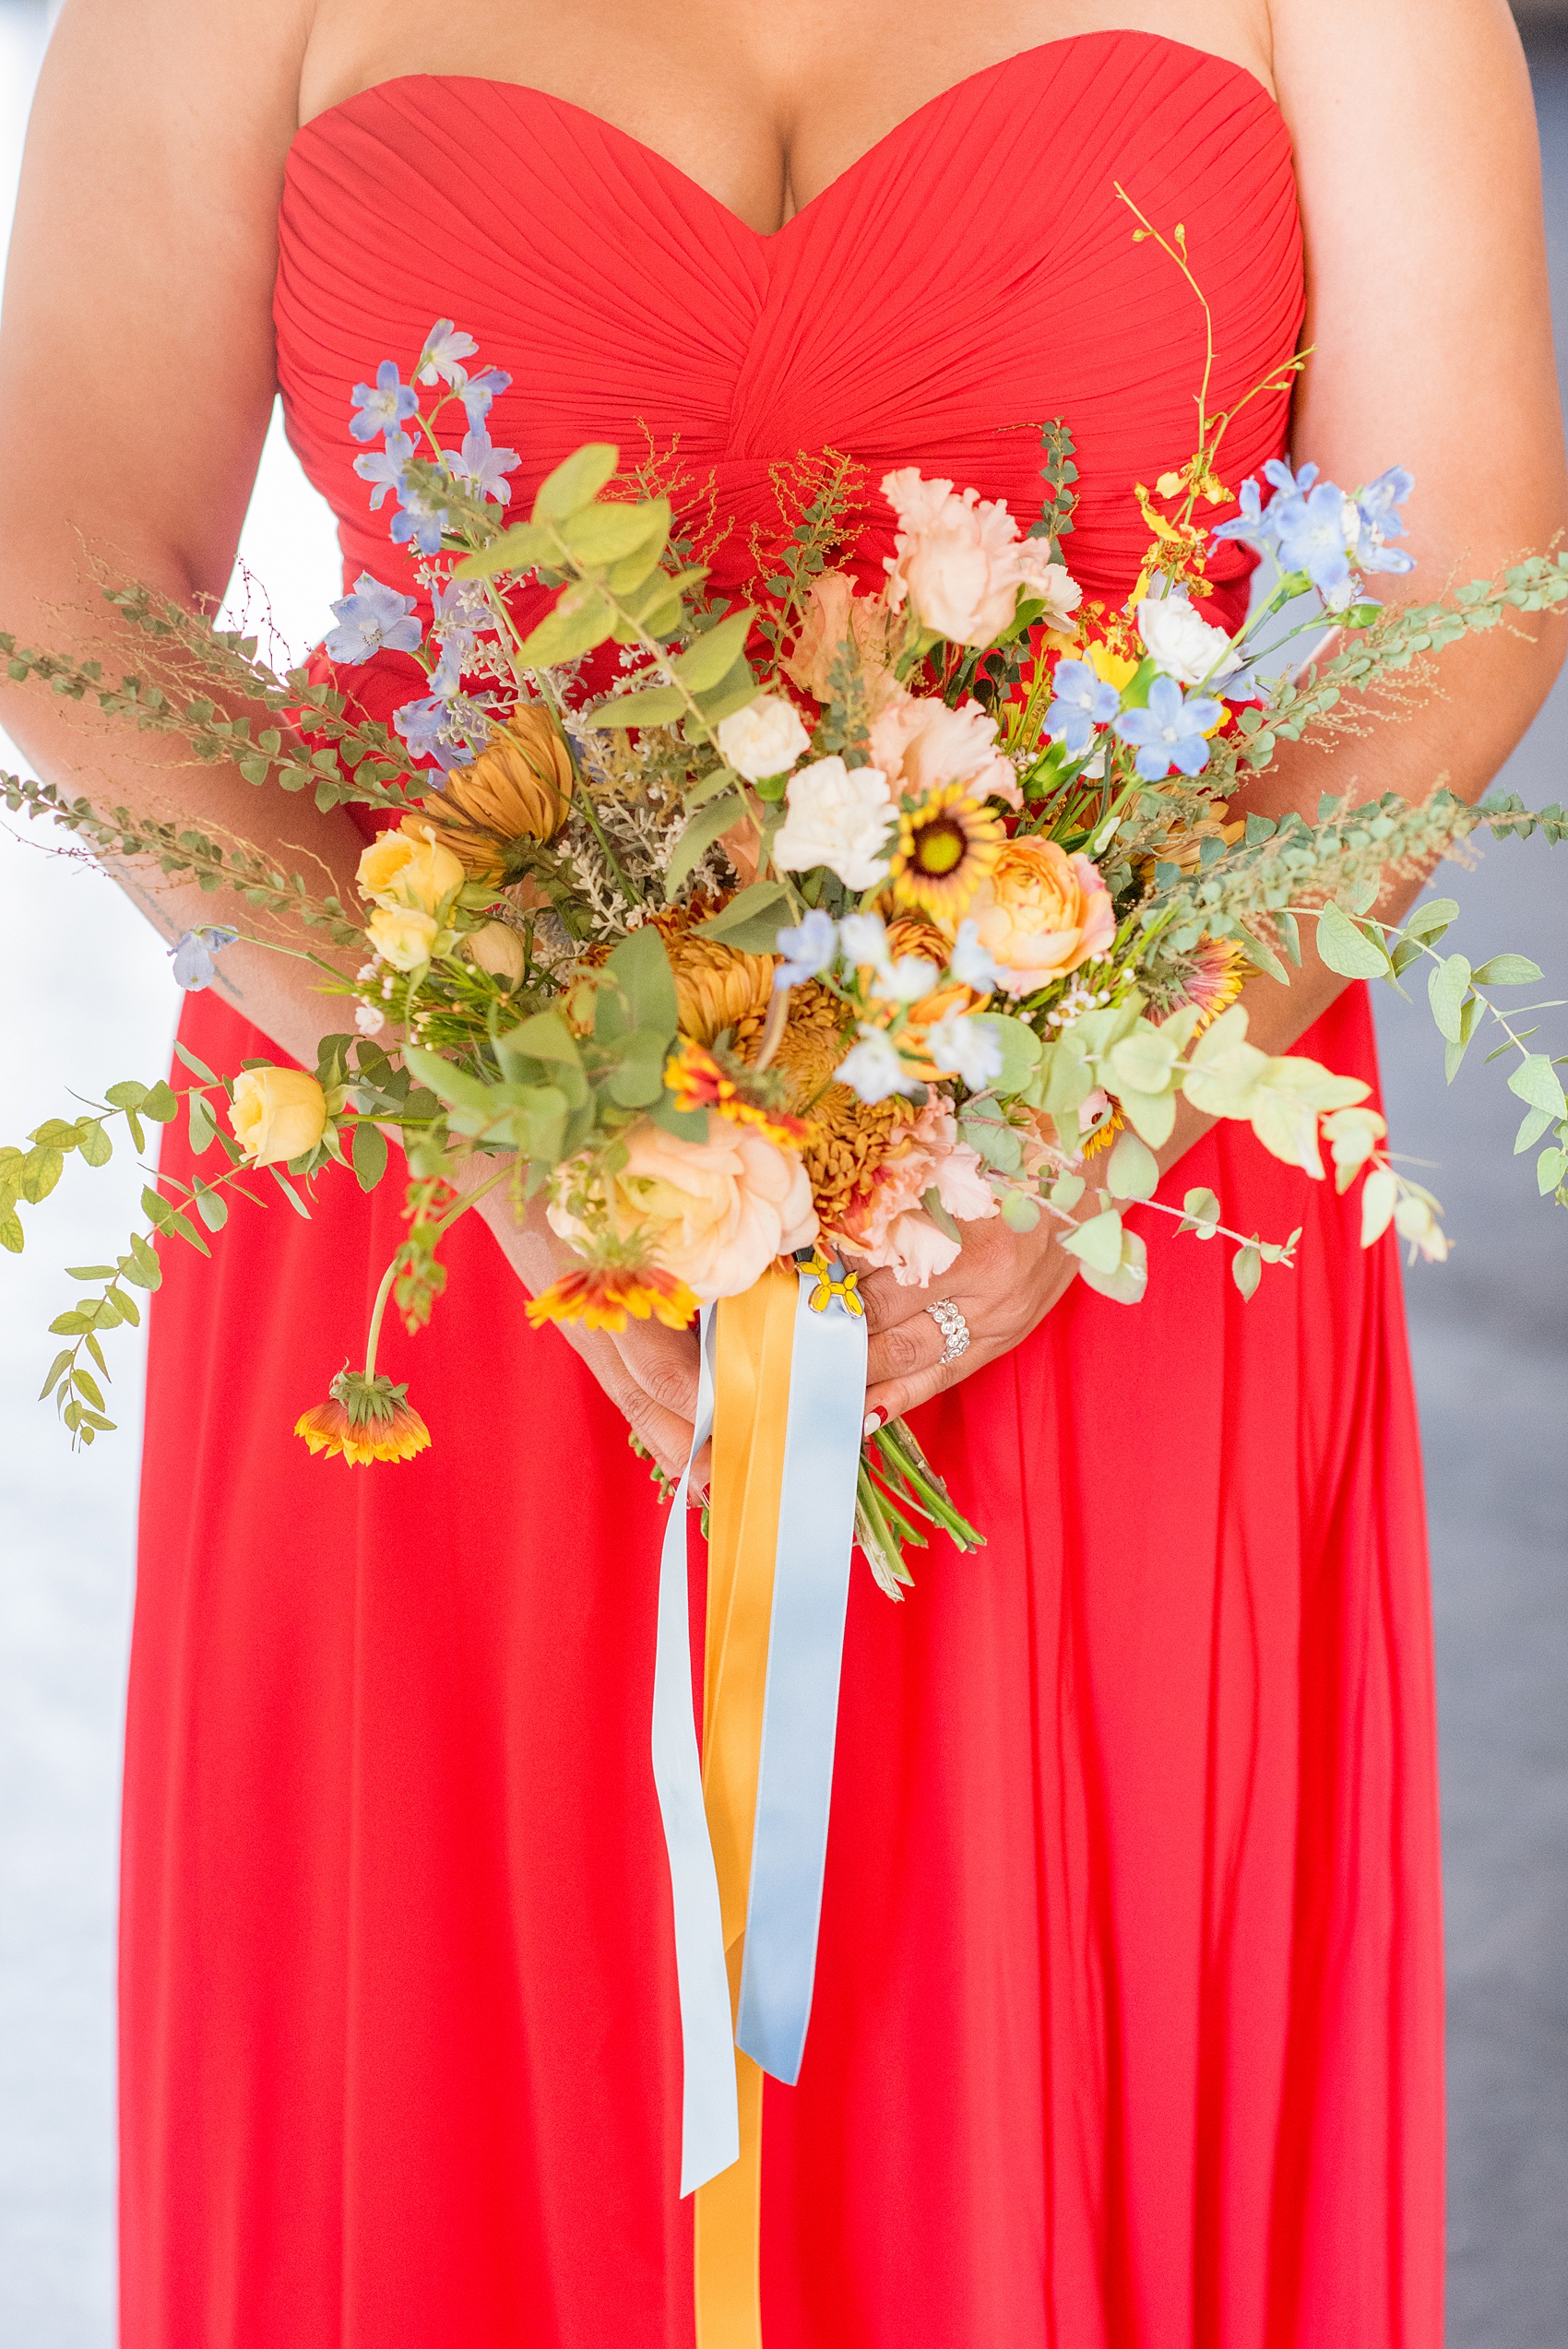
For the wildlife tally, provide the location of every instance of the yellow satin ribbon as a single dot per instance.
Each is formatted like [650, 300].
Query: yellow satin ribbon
[756, 1341]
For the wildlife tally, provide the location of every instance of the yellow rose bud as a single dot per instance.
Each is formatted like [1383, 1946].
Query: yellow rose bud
[402, 935]
[497, 949]
[277, 1114]
[403, 868]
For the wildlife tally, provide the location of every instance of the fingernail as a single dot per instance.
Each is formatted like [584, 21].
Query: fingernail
[873, 1421]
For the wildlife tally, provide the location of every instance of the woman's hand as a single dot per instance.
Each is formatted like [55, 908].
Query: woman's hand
[1004, 1282]
[648, 1372]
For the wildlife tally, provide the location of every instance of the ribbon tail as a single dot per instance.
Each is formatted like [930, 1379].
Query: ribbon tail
[710, 2140]
[810, 1583]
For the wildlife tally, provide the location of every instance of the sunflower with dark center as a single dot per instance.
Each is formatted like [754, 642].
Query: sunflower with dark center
[948, 844]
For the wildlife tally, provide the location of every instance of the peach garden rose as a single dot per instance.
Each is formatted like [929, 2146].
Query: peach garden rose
[1040, 913]
[715, 1212]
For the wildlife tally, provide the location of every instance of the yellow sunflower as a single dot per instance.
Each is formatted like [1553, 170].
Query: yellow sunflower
[948, 844]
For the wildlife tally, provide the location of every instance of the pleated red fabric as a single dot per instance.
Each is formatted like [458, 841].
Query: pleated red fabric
[1127, 2031]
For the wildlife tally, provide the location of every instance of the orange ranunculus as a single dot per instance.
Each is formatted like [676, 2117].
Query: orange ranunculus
[1040, 913]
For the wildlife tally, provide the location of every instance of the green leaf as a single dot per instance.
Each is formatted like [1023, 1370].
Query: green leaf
[128, 1096]
[93, 1142]
[1446, 989]
[1132, 1172]
[751, 920]
[1551, 1168]
[161, 1103]
[1019, 1212]
[1432, 918]
[449, 1083]
[1200, 1214]
[519, 548]
[1509, 971]
[62, 1362]
[1380, 1196]
[91, 1272]
[1536, 1123]
[1349, 951]
[140, 1264]
[55, 1134]
[203, 1127]
[85, 1383]
[1097, 1242]
[709, 658]
[197, 1068]
[597, 535]
[1261, 956]
[284, 1185]
[701, 833]
[1019, 1048]
[654, 705]
[40, 1172]
[1537, 1082]
[12, 1237]
[641, 969]
[581, 619]
[1246, 1265]
[931, 1201]
[638, 1077]
[210, 1206]
[735, 690]
[369, 1154]
[576, 481]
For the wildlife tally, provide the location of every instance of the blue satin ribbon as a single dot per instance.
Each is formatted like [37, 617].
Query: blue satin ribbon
[711, 2134]
[800, 1720]
[816, 1524]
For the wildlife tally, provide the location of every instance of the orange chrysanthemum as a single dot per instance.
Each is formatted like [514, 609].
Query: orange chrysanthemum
[600, 1297]
[364, 1420]
[697, 1081]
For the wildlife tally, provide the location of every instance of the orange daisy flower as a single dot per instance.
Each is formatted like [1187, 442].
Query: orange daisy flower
[697, 1081]
[364, 1420]
[600, 1297]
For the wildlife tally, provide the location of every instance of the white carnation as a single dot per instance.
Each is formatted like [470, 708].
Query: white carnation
[1182, 644]
[765, 738]
[840, 818]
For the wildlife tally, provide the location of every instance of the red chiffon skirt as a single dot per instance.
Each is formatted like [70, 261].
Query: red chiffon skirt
[1127, 2029]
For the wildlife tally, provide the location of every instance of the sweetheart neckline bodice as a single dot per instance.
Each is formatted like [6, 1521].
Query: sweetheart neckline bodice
[909, 125]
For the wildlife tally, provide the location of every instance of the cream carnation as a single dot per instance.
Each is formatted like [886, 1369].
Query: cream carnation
[714, 1213]
[838, 816]
[961, 562]
[921, 745]
[1182, 644]
[765, 738]
[890, 1229]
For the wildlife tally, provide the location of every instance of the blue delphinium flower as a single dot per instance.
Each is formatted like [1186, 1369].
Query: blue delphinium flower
[807, 951]
[447, 677]
[385, 467]
[193, 957]
[481, 389]
[1277, 471]
[417, 520]
[1083, 702]
[374, 619]
[1171, 731]
[874, 1069]
[971, 962]
[1254, 525]
[383, 406]
[962, 1045]
[485, 466]
[1319, 534]
[445, 347]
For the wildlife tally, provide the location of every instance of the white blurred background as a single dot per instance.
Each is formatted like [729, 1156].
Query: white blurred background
[91, 996]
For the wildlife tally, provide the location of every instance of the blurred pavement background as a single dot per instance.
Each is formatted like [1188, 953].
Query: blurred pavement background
[1489, 1333]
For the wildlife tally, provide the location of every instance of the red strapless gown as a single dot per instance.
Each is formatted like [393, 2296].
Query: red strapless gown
[1127, 2031]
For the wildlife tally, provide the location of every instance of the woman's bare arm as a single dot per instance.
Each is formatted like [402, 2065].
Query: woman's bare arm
[1428, 312]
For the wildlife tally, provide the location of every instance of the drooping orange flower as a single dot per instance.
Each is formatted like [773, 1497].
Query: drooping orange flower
[364, 1420]
[600, 1297]
[697, 1081]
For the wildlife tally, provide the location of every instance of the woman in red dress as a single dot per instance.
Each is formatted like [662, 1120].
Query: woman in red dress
[1127, 2029]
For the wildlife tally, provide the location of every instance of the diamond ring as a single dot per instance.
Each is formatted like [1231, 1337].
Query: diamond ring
[954, 1328]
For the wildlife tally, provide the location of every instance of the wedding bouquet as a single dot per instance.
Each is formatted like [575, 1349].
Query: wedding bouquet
[818, 927]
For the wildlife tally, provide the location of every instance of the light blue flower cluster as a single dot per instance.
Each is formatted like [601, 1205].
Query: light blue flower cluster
[1312, 528]
[1084, 701]
[384, 408]
[192, 956]
[374, 619]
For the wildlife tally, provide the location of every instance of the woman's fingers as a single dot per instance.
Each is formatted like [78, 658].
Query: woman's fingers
[654, 1418]
[903, 1349]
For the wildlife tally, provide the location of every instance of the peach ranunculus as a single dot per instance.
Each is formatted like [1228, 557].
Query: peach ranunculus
[1040, 913]
[960, 561]
[921, 744]
[889, 1227]
[277, 1114]
[399, 869]
[837, 620]
[713, 1213]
